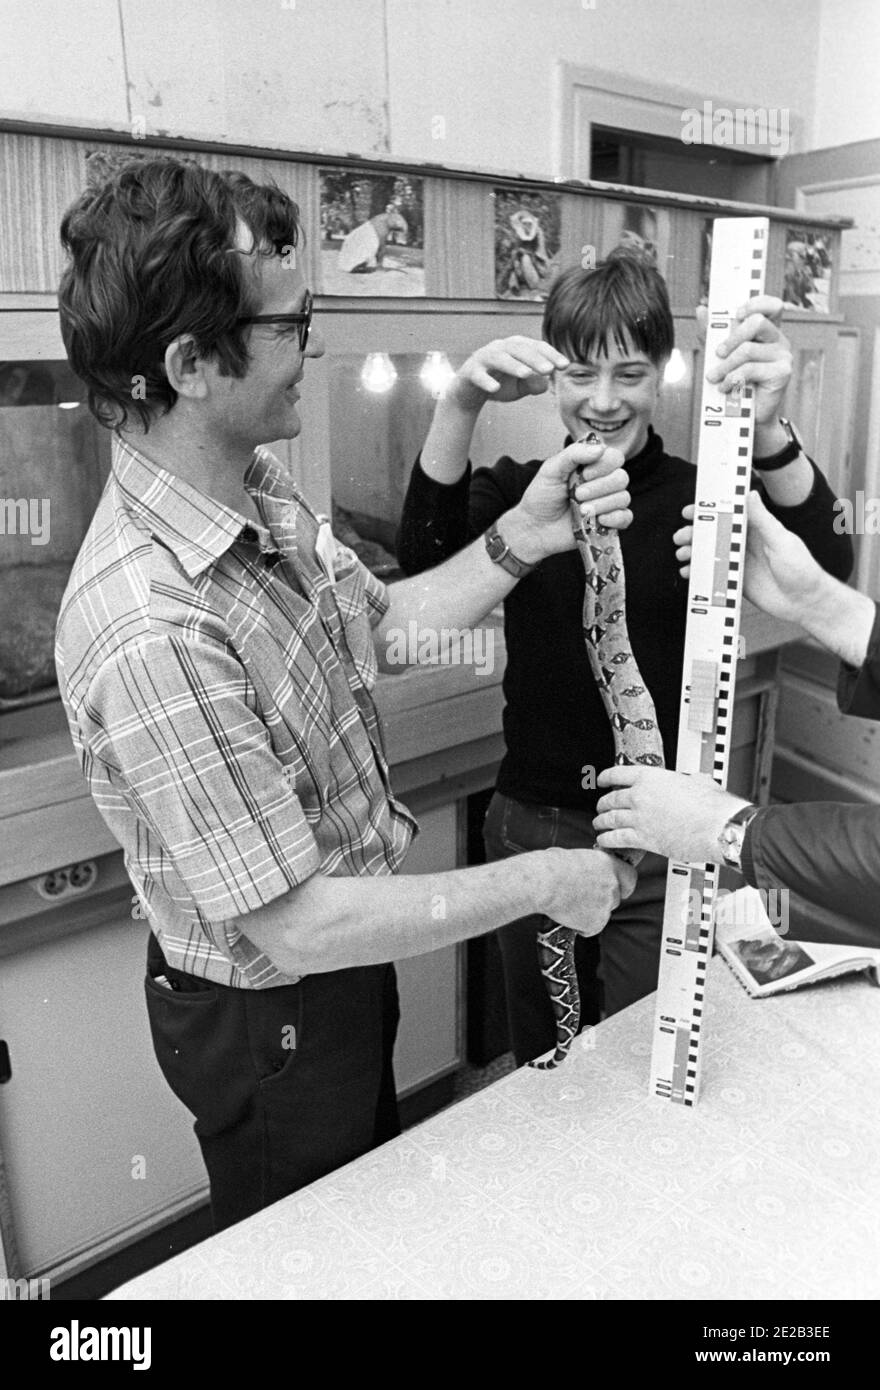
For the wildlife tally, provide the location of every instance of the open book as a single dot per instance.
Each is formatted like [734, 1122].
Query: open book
[765, 962]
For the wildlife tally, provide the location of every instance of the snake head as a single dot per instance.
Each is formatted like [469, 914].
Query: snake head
[575, 477]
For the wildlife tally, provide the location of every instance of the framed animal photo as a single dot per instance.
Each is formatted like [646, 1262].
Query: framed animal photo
[526, 243]
[372, 233]
[808, 269]
[638, 230]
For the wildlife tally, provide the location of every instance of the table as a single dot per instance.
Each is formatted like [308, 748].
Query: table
[576, 1183]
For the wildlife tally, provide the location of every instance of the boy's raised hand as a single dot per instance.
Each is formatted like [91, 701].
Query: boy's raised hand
[505, 370]
[755, 351]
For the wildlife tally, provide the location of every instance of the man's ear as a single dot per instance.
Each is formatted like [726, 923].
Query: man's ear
[185, 368]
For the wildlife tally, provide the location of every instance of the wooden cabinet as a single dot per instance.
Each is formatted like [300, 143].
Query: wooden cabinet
[429, 1043]
[97, 1150]
[821, 754]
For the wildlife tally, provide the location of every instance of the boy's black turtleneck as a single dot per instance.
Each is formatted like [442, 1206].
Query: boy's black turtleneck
[556, 730]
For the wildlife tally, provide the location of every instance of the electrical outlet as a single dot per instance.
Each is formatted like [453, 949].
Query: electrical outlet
[64, 883]
[82, 876]
[52, 885]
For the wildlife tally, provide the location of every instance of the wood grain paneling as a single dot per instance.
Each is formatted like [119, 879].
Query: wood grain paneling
[39, 178]
[459, 240]
[685, 258]
[580, 231]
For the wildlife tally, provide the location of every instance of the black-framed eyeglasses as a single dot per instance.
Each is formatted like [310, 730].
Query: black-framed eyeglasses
[301, 321]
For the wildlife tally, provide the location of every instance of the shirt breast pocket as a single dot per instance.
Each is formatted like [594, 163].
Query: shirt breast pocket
[350, 591]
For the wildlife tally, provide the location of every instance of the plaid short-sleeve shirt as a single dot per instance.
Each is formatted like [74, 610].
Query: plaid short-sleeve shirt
[217, 680]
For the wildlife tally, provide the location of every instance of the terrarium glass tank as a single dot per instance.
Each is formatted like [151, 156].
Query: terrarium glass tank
[54, 459]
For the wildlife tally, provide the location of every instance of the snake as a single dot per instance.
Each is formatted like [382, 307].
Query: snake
[633, 721]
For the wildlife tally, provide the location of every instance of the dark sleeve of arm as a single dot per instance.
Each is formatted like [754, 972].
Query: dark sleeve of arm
[814, 521]
[434, 520]
[439, 519]
[827, 855]
[858, 687]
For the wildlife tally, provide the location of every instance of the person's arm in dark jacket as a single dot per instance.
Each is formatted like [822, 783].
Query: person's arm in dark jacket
[826, 855]
[858, 688]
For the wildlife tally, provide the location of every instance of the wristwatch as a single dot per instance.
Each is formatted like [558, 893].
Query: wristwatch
[787, 454]
[500, 552]
[733, 836]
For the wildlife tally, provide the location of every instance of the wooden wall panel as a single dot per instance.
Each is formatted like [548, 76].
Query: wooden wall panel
[459, 240]
[41, 175]
[581, 229]
[39, 178]
[775, 277]
[685, 258]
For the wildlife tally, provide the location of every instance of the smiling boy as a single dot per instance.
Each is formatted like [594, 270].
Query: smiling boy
[608, 336]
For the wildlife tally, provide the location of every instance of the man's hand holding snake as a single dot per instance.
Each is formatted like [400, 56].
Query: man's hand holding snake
[540, 524]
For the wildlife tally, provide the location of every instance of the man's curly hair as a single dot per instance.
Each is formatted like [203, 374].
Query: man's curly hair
[152, 255]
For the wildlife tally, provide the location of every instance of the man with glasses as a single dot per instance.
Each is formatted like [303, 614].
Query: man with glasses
[216, 653]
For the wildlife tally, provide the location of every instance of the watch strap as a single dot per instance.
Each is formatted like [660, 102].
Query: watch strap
[787, 454]
[500, 553]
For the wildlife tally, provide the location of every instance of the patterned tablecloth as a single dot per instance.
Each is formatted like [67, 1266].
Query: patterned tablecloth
[576, 1183]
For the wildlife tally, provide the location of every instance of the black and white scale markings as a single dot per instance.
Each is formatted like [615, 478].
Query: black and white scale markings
[724, 460]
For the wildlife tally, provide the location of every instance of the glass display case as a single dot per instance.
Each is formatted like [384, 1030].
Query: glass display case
[379, 394]
[54, 459]
[366, 409]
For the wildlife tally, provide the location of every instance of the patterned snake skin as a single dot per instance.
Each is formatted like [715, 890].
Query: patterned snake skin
[633, 719]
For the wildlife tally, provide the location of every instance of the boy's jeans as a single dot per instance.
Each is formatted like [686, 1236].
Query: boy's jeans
[628, 949]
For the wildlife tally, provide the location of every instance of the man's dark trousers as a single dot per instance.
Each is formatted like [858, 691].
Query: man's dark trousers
[285, 1084]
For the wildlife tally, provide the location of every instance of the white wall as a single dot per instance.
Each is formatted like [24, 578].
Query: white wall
[306, 74]
[369, 76]
[489, 66]
[379, 76]
[847, 100]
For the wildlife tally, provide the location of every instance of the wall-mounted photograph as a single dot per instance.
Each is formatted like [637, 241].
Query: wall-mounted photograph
[372, 233]
[639, 229]
[808, 263]
[526, 243]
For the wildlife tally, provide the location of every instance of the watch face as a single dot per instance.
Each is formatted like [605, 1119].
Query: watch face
[731, 844]
[495, 545]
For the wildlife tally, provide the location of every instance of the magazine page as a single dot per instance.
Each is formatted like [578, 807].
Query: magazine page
[765, 960]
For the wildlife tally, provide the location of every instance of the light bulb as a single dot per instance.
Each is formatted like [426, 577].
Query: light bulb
[437, 373]
[68, 405]
[378, 372]
[676, 368]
